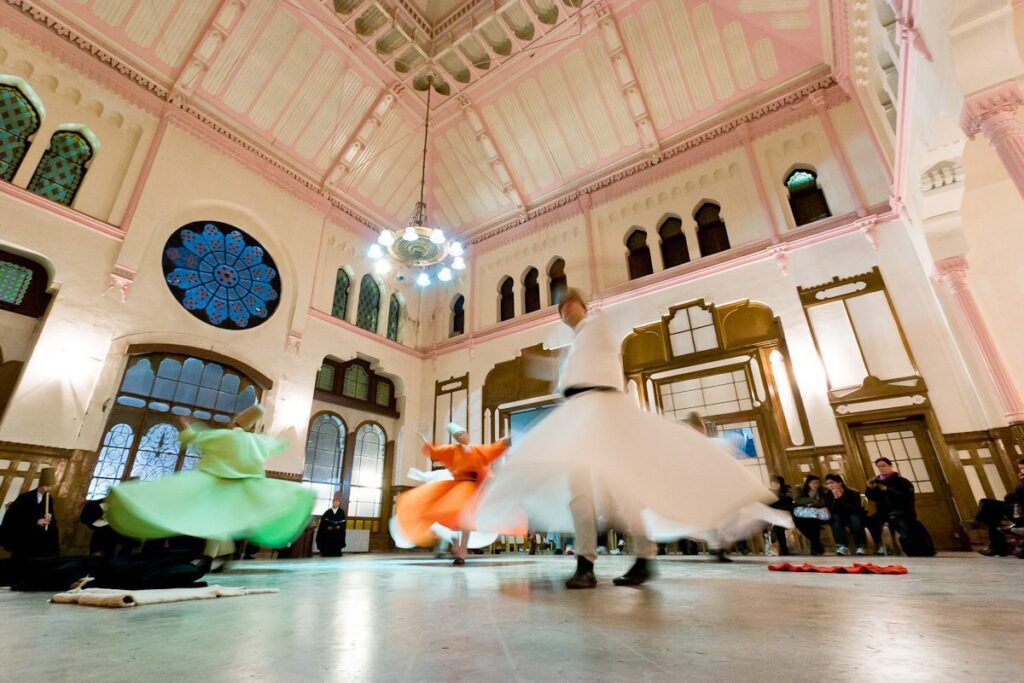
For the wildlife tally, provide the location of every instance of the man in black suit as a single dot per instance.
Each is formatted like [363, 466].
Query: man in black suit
[992, 512]
[29, 526]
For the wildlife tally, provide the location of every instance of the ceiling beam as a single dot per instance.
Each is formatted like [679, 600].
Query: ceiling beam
[206, 46]
[625, 76]
[497, 162]
[365, 134]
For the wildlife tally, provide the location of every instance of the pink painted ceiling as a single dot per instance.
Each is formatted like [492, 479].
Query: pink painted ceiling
[312, 82]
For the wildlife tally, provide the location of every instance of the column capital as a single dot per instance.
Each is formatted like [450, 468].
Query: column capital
[952, 272]
[981, 107]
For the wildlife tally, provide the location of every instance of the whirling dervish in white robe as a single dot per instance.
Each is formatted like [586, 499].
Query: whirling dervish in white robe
[599, 460]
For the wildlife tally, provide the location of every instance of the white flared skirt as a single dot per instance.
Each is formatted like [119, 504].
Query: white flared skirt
[651, 475]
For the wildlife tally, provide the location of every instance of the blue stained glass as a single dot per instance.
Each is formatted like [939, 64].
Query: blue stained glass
[221, 275]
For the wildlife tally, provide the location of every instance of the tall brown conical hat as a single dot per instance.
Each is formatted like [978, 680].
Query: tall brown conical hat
[248, 418]
[47, 476]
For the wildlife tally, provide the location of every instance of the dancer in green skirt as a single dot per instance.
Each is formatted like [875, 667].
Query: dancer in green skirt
[227, 497]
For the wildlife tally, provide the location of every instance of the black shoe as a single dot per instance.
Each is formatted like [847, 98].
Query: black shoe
[636, 575]
[458, 562]
[993, 552]
[584, 576]
[720, 556]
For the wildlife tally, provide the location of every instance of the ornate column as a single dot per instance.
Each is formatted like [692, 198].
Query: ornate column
[993, 112]
[953, 272]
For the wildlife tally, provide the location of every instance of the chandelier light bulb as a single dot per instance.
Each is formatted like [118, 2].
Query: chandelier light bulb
[410, 234]
[423, 280]
[455, 249]
[382, 267]
[437, 236]
[375, 252]
[458, 263]
[445, 275]
[386, 238]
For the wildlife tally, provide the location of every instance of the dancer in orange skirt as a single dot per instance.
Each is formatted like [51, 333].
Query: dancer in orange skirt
[449, 503]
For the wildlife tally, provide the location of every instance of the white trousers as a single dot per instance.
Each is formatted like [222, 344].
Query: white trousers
[584, 519]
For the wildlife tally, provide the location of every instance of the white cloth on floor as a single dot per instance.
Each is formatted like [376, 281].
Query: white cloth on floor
[116, 597]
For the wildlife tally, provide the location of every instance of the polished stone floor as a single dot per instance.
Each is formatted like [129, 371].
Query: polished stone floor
[408, 618]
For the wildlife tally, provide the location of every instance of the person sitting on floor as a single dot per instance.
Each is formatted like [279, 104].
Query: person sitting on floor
[993, 513]
[893, 496]
[847, 511]
[104, 541]
[811, 511]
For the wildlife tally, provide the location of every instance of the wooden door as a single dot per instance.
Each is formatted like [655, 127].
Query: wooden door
[906, 443]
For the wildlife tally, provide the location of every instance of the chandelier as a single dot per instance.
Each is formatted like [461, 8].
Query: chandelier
[418, 247]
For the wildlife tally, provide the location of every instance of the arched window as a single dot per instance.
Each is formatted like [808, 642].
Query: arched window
[639, 257]
[356, 383]
[367, 472]
[62, 169]
[674, 251]
[339, 306]
[141, 439]
[23, 284]
[325, 448]
[394, 315]
[806, 200]
[19, 121]
[711, 233]
[507, 299]
[557, 282]
[369, 304]
[458, 316]
[531, 291]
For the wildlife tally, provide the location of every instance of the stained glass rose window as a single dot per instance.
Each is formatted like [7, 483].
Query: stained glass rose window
[221, 275]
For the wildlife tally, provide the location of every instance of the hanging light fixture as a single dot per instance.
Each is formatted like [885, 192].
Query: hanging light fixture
[419, 247]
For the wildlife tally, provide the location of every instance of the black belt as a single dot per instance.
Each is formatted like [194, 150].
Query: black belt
[577, 390]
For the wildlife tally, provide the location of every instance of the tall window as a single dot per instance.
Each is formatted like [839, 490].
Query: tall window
[325, 447]
[23, 285]
[142, 435]
[557, 281]
[394, 315]
[806, 199]
[531, 291]
[19, 121]
[367, 472]
[357, 383]
[691, 330]
[62, 169]
[711, 233]
[674, 251]
[369, 304]
[506, 299]
[458, 316]
[339, 306]
[639, 257]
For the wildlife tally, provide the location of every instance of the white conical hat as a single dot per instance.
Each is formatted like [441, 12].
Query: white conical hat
[455, 429]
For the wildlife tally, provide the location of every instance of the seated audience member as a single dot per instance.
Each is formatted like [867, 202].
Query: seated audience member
[992, 513]
[811, 511]
[893, 496]
[847, 511]
[783, 501]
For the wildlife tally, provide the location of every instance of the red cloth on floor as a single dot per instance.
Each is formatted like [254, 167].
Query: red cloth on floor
[855, 568]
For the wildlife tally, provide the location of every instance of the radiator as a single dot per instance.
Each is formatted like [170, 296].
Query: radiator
[357, 541]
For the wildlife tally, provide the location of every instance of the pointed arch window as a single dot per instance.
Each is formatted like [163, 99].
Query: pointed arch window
[62, 169]
[674, 251]
[369, 304]
[558, 284]
[342, 284]
[712, 237]
[806, 198]
[19, 121]
[325, 448]
[531, 291]
[394, 315]
[638, 259]
[506, 299]
[458, 316]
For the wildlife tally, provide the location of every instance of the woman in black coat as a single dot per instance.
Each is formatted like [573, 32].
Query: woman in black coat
[847, 510]
[811, 497]
[784, 501]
